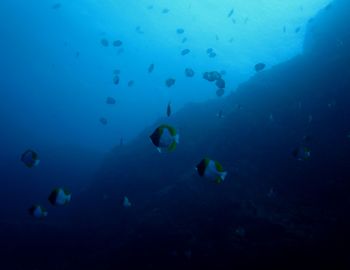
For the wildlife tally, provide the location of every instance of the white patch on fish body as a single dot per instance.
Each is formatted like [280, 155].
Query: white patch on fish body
[166, 139]
[126, 202]
[62, 198]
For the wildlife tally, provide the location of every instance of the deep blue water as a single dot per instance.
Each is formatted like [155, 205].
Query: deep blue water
[59, 65]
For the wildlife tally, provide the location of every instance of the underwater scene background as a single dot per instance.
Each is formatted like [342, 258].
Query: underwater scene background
[174, 134]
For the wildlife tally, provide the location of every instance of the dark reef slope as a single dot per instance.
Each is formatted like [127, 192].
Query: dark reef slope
[293, 213]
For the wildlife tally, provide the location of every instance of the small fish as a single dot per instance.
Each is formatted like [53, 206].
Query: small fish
[103, 121]
[284, 29]
[126, 202]
[139, 30]
[210, 50]
[131, 83]
[165, 10]
[56, 6]
[168, 109]
[220, 83]
[104, 42]
[170, 82]
[184, 40]
[110, 101]
[212, 170]
[30, 158]
[116, 79]
[185, 51]
[117, 43]
[37, 211]
[220, 114]
[230, 13]
[165, 138]
[180, 31]
[297, 30]
[212, 54]
[240, 231]
[259, 67]
[150, 68]
[189, 72]
[302, 153]
[271, 193]
[211, 76]
[271, 118]
[60, 196]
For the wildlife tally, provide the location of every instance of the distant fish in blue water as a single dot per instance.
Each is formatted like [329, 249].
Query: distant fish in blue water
[165, 10]
[211, 76]
[297, 30]
[220, 114]
[240, 231]
[126, 202]
[184, 40]
[212, 54]
[189, 72]
[185, 51]
[103, 121]
[168, 109]
[110, 101]
[170, 82]
[230, 13]
[150, 68]
[60, 196]
[209, 50]
[104, 42]
[37, 211]
[56, 6]
[212, 170]
[116, 72]
[131, 83]
[139, 30]
[180, 31]
[116, 79]
[220, 83]
[165, 138]
[259, 67]
[302, 153]
[30, 158]
[117, 43]
[272, 193]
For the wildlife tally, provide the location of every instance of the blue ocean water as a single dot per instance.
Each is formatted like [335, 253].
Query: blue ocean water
[84, 84]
